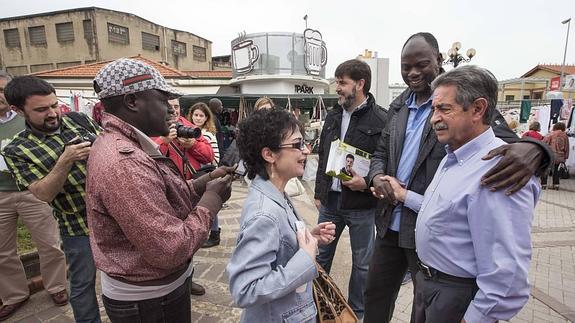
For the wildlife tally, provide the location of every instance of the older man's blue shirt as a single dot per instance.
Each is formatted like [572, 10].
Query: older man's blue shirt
[465, 230]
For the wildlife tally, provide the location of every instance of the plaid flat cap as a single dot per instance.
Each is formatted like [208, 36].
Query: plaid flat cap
[125, 76]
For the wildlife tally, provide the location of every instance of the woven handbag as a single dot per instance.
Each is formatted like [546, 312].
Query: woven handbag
[331, 305]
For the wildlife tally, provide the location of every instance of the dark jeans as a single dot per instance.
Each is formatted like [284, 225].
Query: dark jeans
[555, 174]
[388, 266]
[440, 300]
[82, 279]
[362, 235]
[174, 307]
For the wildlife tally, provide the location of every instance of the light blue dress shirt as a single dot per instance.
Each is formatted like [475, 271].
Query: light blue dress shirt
[465, 230]
[415, 124]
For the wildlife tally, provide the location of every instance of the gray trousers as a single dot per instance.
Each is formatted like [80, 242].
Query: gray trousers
[442, 300]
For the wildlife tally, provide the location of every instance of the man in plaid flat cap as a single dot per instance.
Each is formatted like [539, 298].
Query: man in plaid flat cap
[147, 221]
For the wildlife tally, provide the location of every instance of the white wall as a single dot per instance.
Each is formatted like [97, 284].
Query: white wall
[379, 79]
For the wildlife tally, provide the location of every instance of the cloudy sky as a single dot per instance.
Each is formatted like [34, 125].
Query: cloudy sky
[510, 36]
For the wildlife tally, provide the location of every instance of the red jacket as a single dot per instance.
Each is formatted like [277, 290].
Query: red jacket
[533, 134]
[200, 153]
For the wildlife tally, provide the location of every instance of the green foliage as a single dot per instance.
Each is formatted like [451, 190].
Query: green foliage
[24, 239]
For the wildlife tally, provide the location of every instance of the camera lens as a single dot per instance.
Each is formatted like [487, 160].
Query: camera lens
[187, 132]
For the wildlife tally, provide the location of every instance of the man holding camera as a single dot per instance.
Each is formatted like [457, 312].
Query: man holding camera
[188, 149]
[185, 145]
[147, 221]
[48, 159]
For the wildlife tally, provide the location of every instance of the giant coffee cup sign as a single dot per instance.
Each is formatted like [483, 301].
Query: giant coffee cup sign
[244, 55]
[315, 52]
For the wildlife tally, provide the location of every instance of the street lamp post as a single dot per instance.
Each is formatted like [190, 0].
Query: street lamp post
[562, 78]
[454, 57]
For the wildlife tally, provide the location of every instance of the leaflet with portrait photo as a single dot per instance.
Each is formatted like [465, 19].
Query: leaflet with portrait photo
[344, 158]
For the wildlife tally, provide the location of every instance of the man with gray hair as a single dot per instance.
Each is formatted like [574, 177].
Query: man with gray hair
[36, 215]
[474, 245]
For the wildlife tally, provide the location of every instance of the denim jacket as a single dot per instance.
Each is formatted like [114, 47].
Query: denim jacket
[270, 276]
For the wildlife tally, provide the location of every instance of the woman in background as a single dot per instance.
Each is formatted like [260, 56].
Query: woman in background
[201, 116]
[534, 128]
[559, 143]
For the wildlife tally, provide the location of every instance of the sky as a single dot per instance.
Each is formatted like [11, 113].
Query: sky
[510, 36]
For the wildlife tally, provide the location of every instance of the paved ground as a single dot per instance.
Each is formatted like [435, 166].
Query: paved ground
[552, 271]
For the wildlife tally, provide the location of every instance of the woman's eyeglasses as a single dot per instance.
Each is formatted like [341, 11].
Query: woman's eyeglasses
[297, 145]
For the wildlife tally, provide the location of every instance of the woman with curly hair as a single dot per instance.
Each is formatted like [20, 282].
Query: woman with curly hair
[273, 266]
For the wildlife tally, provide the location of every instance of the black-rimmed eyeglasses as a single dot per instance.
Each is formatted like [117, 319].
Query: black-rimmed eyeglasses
[297, 145]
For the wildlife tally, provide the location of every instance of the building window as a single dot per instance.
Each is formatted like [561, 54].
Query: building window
[68, 64]
[17, 70]
[509, 97]
[118, 34]
[37, 35]
[199, 54]
[150, 41]
[12, 37]
[88, 29]
[65, 32]
[40, 67]
[179, 48]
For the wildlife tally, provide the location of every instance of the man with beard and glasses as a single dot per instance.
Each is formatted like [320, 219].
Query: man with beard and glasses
[409, 151]
[356, 120]
[48, 159]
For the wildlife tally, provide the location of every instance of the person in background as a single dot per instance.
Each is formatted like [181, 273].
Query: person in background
[513, 125]
[263, 103]
[188, 154]
[534, 128]
[272, 267]
[36, 215]
[216, 107]
[201, 116]
[559, 143]
[185, 152]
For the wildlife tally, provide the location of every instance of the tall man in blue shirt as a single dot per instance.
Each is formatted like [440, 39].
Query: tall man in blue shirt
[474, 245]
[409, 151]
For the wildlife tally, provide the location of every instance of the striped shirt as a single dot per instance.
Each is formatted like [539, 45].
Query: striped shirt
[214, 142]
[31, 156]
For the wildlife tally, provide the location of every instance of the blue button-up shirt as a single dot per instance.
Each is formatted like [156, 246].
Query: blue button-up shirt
[465, 230]
[415, 124]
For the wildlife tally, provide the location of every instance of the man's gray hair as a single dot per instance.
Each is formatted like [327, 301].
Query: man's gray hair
[472, 82]
[5, 76]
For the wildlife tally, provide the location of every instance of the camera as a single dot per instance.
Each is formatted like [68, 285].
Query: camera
[187, 132]
[88, 137]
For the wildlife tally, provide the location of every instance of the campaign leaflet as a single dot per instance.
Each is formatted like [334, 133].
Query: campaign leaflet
[344, 158]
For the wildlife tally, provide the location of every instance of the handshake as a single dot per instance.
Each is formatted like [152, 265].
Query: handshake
[388, 188]
[214, 188]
